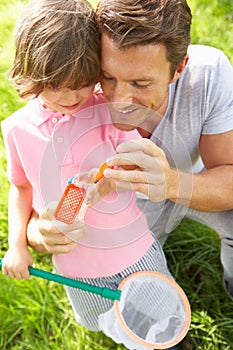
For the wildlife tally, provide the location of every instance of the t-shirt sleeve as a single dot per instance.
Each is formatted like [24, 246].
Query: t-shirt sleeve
[219, 103]
[15, 171]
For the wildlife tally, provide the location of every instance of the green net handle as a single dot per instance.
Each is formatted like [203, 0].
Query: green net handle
[104, 292]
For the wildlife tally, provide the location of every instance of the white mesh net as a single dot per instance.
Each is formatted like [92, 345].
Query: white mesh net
[153, 312]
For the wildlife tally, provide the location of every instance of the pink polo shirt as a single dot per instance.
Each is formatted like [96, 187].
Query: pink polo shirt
[46, 149]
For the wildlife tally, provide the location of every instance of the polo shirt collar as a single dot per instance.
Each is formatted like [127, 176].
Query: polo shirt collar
[42, 115]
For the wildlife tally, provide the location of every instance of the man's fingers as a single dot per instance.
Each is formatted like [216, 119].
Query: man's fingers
[140, 159]
[135, 176]
[144, 145]
[130, 176]
[129, 186]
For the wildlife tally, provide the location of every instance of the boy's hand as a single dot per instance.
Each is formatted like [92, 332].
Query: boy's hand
[99, 190]
[16, 262]
[47, 235]
[103, 186]
[95, 190]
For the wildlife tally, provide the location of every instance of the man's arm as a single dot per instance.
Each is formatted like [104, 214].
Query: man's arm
[211, 190]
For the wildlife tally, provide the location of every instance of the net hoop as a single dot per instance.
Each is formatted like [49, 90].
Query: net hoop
[183, 297]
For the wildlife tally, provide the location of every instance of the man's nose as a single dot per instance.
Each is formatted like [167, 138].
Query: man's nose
[121, 94]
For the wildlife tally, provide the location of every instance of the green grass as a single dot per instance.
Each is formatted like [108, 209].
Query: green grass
[36, 315]
[213, 24]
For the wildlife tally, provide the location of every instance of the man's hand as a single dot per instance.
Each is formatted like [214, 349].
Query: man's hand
[153, 175]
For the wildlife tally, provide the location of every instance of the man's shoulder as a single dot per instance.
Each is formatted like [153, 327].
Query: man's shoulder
[207, 65]
[202, 55]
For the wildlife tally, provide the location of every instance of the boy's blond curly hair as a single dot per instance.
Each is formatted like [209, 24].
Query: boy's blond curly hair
[57, 45]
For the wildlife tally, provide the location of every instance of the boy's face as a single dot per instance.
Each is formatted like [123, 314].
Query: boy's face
[135, 80]
[64, 100]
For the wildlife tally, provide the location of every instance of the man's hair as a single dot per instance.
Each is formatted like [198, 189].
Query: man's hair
[143, 22]
[57, 45]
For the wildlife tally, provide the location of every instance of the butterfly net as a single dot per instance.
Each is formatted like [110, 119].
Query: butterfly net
[153, 312]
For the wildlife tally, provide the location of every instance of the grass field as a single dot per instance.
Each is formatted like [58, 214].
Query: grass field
[36, 315]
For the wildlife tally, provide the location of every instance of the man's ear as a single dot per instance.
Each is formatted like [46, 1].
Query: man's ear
[180, 69]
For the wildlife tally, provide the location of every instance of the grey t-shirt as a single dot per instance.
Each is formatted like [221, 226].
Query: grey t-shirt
[200, 102]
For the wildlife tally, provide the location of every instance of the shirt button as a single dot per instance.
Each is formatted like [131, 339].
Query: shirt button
[54, 120]
[60, 139]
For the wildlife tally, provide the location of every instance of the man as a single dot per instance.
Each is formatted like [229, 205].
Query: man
[180, 99]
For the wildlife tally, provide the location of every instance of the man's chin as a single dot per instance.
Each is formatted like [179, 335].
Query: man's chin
[124, 126]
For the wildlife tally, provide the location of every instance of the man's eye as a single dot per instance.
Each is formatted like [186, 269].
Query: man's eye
[140, 85]
[107, 78]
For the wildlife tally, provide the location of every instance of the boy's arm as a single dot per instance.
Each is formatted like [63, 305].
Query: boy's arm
[18, 257]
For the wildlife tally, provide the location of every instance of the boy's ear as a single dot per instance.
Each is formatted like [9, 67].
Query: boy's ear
[180, 69]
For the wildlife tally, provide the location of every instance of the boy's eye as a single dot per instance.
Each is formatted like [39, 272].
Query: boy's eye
[53, 88]
[84, 86]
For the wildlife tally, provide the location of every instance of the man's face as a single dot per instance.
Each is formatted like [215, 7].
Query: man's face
[135, 82]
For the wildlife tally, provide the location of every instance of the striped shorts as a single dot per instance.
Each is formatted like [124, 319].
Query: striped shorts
[88, 306]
